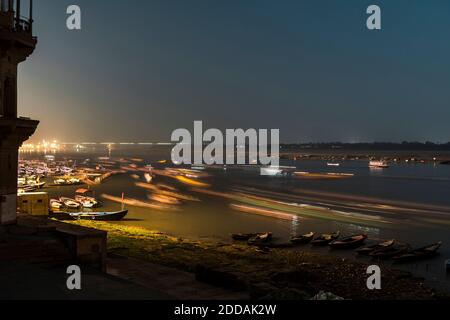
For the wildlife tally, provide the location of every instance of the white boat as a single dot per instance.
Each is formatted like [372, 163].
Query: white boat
[148, 177]
[331, 164]
[36, 183]
[70, 203]
[378, 164]
[66, 170]
[66, 182]
[86, 202]
[276, 171]
[56, 204]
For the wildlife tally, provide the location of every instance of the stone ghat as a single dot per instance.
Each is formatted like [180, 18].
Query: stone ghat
[52, 243]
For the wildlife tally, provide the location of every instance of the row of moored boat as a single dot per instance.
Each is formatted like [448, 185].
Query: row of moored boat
[383, 250]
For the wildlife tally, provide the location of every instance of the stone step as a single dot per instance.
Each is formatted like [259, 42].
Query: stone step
[39, 252]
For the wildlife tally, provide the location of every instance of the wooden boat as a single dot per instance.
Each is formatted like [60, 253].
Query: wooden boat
[100, 216]
[371, 248]
[70, 203]
[26, 189]
[66, 182]
[59, 182]
[325, 239]
[56, 204]
[243, 236]
[389, 252]
[260, 238]
[348, 242]
[36, 183]
[303, 239]
[86, 202]
[419, 254]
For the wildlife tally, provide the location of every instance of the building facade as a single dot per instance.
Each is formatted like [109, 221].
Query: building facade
[17, 43]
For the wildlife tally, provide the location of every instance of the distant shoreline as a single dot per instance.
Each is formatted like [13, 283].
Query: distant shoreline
[404, 152]
[412, 152]
[407, 146]
[399, 156]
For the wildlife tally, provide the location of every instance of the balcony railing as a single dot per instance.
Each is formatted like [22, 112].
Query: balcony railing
[24, 25]
[10, 15]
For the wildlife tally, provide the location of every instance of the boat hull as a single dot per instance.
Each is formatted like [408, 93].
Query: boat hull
[349, 243]
[97, 216]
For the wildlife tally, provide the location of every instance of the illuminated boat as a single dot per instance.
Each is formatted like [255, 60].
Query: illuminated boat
[37, 184]
[26, 189]
[277, 171]
[70, 203]
[65, 169]
[332, 164]
[378, 164]
[66, 182]
[86, 202]
[56, 204]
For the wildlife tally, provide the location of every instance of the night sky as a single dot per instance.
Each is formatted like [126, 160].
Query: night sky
[141, 68]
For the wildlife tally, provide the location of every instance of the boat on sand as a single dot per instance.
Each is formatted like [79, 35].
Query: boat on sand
[244, 236]
[426, 252]
[348, 242]
[391, 251]
[260, 238]
[371, 248]
[303, 239]
[325, 239]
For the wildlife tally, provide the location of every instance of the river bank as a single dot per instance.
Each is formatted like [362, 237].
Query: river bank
[277, 274]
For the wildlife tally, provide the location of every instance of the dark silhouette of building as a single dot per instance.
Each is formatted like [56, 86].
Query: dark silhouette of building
[16, 44]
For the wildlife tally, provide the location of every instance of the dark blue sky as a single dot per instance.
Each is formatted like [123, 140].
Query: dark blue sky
[141, 68]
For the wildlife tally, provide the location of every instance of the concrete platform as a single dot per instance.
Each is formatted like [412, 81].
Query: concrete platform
[35, 254]
[20, 281]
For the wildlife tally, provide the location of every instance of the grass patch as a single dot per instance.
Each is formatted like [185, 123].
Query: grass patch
[279, 268]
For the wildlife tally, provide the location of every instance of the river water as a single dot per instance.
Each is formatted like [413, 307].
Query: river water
[375, 194]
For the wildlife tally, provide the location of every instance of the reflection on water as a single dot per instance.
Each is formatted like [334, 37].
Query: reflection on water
[405, 202]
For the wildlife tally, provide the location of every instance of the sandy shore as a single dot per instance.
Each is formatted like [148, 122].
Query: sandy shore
[245, 270]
